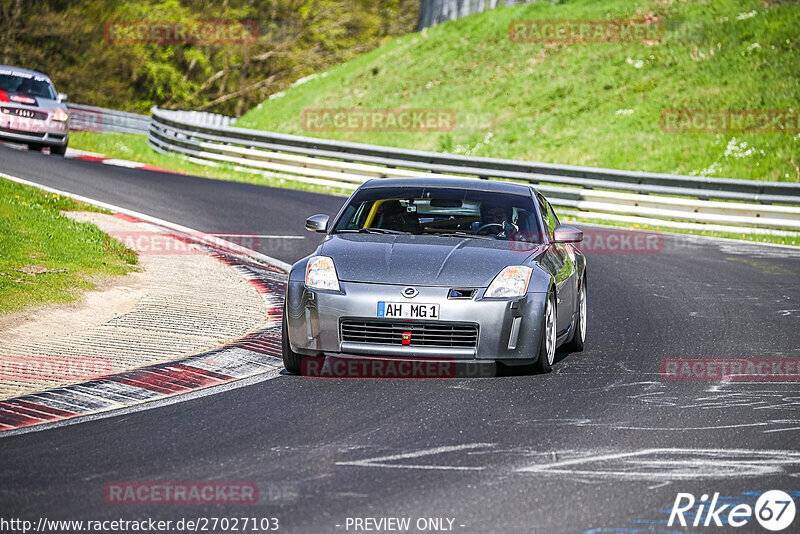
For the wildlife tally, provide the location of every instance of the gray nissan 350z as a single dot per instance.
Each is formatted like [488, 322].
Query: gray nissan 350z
[31, 111]
[439, 269]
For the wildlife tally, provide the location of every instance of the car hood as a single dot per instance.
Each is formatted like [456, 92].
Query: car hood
[422, 260]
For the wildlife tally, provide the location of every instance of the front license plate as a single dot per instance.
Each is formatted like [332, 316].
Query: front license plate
[406, 310]
[22, 124]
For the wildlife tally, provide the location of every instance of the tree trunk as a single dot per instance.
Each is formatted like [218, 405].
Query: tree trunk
[13, 21]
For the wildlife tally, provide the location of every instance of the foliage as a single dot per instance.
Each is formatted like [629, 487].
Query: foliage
[68, 40]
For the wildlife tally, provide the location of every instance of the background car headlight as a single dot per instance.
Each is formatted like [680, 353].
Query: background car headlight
[60, 115]
[511, 282]
[321, 274]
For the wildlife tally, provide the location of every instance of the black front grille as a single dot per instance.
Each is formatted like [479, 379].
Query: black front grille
[28, 113]
[416, 333]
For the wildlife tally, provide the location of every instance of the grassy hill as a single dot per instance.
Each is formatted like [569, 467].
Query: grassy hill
[584, 103]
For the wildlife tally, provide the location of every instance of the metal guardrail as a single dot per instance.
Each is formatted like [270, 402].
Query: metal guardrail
[93, 119]
[725, 204]
[434, 12]
[203, 118]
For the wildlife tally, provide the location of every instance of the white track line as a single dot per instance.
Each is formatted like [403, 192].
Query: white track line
[681, 234]
[260, 236]
[379, 461]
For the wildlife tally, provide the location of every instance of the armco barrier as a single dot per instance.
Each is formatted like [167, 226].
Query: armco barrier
[746, 206]
[94, 119]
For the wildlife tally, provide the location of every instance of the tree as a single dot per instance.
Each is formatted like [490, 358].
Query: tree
[71, 42]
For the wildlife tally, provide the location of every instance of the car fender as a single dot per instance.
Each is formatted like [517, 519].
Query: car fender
[541, 281]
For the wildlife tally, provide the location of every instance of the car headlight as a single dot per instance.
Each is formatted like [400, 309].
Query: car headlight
[321, 274]
[510, 283]
[60, 115]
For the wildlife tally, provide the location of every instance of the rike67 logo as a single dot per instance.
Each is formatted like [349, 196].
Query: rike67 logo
[774, 510]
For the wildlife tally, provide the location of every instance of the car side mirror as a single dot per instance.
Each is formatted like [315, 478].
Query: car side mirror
[563, 233]
[61, 97]
[317, 223]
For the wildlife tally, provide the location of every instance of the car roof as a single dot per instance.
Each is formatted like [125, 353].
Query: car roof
[455, 182]
[20, 70]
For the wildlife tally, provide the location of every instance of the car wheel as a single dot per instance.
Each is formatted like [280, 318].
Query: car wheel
[547, 350]
[58, 150]
[34, 147]
[579, 337]
[291, 360]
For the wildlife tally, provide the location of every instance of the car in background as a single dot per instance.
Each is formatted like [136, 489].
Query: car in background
[31, 111]
[445, 269]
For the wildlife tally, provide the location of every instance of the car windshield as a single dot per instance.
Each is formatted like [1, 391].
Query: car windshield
[447, 212]
[26, 85]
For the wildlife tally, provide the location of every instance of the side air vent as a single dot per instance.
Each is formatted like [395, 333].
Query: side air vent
[461, 293]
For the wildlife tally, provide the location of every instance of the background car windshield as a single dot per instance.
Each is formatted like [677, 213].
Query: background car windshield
[27, 86]
[440, 211]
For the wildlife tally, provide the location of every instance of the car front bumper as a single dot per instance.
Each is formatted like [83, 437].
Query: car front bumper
[42, 132]
[508, 329]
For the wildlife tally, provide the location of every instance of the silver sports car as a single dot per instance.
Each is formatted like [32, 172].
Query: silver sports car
[438, 270]
[31, 112]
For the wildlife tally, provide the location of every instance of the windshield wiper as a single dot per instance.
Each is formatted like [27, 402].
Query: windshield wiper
[462, 234]
[371, 231]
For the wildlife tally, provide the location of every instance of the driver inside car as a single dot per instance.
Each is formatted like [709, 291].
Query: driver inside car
[496, 220]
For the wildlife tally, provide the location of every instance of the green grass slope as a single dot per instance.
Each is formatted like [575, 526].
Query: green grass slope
[595, 104]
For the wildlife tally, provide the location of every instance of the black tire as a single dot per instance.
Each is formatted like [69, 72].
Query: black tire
[33, 147]
[291, 360]
[579, 335]
[58, 150]
[547, 351]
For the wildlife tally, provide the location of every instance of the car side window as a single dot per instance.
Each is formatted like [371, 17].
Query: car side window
[547, 214]
[360, 216]
[542, 208]
[552, 215]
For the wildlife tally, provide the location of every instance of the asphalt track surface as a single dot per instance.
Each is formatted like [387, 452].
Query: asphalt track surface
[603, 442]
